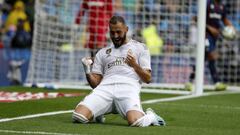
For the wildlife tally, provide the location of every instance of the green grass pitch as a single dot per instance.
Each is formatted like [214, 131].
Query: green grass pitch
[208, 115]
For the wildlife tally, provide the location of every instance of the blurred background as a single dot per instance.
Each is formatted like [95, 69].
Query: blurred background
[16, 32]
[43, 40]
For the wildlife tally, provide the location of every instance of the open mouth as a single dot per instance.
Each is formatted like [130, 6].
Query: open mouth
[117, 40]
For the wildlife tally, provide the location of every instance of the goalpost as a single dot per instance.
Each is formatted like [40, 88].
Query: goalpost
[59, 43]
[200, 46]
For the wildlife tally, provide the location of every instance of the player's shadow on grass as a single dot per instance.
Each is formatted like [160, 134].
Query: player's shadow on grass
[103, 124]
[114, 124]
[111, 120]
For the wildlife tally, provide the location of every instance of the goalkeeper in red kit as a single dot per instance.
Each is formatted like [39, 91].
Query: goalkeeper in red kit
[99, 13]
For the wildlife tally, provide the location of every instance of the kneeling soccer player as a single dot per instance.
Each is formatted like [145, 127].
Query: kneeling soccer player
[116, 76]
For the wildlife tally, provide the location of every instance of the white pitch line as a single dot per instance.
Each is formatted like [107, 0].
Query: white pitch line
[35, 115]
[189, 96]
[34, 132]
[169, 99]
[144, 102]
[203, 106]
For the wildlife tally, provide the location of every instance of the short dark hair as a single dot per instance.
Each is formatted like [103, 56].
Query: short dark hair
[116, 19]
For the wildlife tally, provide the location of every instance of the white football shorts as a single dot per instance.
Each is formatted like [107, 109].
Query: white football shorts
[113, 98]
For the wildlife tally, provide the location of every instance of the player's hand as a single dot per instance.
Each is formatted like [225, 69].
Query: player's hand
[130, 59]
[87, 64]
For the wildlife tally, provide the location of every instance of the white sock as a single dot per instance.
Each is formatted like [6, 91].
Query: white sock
[144, 121]
[77, 117]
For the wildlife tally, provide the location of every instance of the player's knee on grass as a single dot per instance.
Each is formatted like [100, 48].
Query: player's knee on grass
[79, 118]
[138, 123]
[133, 116]
[144, 121]
[138, 119]
[83, 110]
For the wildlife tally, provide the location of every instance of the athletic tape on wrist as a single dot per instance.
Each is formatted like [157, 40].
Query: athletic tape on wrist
[87, 69]
[87, 64]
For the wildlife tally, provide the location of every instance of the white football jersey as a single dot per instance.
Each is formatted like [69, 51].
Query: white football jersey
[110, 62]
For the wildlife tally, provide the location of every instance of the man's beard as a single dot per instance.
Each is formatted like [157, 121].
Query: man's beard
[119, 43]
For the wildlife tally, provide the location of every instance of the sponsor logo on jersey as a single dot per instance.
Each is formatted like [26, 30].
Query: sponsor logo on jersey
[215, 16]
[119, 61]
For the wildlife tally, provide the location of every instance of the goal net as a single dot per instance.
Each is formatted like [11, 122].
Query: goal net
[167, 27]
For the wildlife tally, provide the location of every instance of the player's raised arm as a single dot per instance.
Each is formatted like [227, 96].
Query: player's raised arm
[92, 78]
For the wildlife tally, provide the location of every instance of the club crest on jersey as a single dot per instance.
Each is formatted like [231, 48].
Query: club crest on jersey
[212, 6]
[108, 51]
